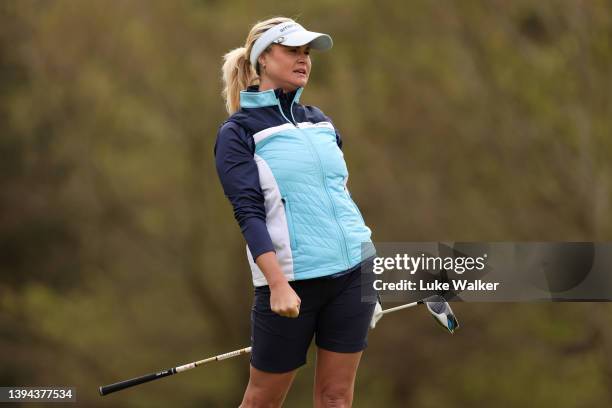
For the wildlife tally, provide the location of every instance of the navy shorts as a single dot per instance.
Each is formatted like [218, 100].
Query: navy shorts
[331, 310]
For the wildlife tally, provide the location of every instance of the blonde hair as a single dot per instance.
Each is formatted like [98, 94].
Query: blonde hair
[237, 72]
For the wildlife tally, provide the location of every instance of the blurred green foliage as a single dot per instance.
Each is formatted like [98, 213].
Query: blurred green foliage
[461, 120]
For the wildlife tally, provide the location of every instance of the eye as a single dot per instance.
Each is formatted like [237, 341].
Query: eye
[307, 52]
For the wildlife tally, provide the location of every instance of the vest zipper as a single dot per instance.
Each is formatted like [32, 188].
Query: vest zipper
[314, 152]
[280, 108]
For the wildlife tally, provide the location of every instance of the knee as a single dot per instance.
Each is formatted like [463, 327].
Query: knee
[336, 397]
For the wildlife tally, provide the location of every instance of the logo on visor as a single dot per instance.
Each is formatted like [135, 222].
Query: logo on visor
[288, 26]
[279, 40]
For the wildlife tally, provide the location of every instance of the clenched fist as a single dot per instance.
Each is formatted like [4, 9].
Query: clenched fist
[284, 301]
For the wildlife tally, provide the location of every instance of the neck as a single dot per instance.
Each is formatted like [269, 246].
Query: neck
[265, 84]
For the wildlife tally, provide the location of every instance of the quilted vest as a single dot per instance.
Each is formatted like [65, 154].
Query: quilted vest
[315, 226]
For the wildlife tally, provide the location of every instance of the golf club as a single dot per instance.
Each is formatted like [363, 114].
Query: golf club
[437, 306]
[121, 385]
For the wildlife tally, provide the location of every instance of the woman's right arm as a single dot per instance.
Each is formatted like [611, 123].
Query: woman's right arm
[283, 299]
[239, 177]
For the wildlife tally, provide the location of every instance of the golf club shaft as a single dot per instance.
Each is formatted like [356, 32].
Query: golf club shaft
[107, 389]
[396, 308]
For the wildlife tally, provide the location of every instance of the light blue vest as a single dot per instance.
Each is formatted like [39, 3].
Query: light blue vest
[315, 226]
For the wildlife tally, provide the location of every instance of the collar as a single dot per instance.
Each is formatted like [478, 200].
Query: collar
[253, 98]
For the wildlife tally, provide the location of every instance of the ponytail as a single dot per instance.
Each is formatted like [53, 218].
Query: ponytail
[237, 75]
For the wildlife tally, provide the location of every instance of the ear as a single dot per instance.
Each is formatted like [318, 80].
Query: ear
[264, 54]
[262, 59]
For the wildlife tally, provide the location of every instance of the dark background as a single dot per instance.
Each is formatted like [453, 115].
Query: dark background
[461, 120]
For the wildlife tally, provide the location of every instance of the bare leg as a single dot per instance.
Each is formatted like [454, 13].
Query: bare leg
[266, 389]
[335, 378]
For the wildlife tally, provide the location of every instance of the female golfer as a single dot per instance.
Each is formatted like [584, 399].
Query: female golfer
[282, 168]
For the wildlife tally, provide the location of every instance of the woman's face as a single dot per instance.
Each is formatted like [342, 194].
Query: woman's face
[287, 67]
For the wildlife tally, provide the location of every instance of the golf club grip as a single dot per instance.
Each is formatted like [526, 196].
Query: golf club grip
[121, 385]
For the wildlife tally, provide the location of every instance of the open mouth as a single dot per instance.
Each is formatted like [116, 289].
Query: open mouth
[300, 71]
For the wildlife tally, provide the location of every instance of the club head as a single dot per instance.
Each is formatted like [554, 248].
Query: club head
[442, 312]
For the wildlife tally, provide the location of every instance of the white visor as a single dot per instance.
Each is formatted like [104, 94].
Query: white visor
[291, 34]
